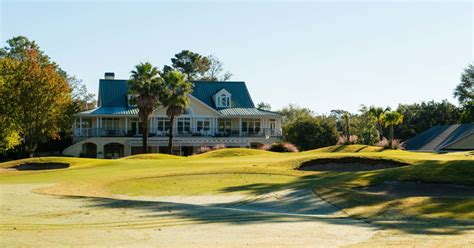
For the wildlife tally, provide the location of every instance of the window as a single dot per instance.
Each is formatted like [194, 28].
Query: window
[251, 126]
[203, 125]
[225, 125]
[184, 125]
[272, 124]
[163, 124]
[86, 123]
[110, 123]
[223, 100]
[135, 126]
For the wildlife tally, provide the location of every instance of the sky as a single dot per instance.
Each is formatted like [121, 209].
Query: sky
[320, 55]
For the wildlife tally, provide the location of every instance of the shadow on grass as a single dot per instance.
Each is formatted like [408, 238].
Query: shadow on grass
[300, 205]
[434, 216]
[236, 213]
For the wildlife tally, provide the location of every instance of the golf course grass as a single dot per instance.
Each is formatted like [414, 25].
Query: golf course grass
[255, 173]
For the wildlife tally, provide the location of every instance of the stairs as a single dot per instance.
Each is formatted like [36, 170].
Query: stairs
[72, 149]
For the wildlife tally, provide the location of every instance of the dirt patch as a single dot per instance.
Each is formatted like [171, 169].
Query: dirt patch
[412, 189]
[41, 166]
[349, 164]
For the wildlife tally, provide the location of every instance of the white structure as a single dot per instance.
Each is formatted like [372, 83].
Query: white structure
[219, 113]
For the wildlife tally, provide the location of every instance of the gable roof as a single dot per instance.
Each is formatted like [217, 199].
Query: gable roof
[222, 91]
[439, 137]
[113, 98]
[205, 91]
[113, 93]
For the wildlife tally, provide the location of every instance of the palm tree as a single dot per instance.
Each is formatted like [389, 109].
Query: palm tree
[145, 82]
[378, 113]
[346, 118]
[174, 97]
[391, 119]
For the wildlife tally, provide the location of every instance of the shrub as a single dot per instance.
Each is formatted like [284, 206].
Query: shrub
[396, 144]
[311, 133]
[353, 139]
[218, 146]
[290, 147]
[283, 147]
[342, 140]
[203, 149]
[265, 147]
[383, 143]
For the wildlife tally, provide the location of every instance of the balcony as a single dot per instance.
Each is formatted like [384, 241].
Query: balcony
[103, 132]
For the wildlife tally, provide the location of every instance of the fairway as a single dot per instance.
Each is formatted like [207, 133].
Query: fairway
[215, 183]
[238, 197]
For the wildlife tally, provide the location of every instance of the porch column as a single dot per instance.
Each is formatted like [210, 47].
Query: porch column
[80, 125]
[96, 130]
[216, 127]
[263, 125]
[126, 125]
[240, 126]
[74, 126]
[100, 125]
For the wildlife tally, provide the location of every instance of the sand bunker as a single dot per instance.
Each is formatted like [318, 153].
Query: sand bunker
[41, 166]
[349, 164]
[412, 189]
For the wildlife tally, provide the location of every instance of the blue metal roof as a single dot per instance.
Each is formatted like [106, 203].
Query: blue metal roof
[204, 91]
[111, 111]
[113, 98]
[246, 112]
[438, 137]
[113, 93]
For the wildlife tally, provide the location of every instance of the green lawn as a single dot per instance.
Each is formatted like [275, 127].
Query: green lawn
[256, 172]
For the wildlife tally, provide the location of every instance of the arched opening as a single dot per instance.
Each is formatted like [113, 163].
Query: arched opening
[114, 150]
[256, 145]
[89, 150]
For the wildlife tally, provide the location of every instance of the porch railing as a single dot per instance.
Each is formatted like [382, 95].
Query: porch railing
[153, 132]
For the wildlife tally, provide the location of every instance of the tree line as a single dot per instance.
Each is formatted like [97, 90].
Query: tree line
[372, 125]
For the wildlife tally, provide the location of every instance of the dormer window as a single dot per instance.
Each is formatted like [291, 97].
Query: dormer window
[222, 99]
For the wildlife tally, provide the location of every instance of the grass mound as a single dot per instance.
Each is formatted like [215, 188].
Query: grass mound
[232, 152]
[153, 156]
[349, 148]
[446, 172]
[343, 189]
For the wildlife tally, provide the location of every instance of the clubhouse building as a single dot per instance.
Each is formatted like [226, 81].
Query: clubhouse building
[220, 113]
